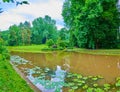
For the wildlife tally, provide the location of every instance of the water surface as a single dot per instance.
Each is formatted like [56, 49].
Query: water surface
[85, 64]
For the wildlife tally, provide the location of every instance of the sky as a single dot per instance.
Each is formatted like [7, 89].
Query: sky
[37, 8]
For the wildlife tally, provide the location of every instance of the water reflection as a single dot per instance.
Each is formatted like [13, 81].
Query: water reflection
[106, 66]
[45, 79]
[56, 82]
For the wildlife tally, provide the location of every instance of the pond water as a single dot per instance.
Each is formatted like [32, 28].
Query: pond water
[74, 63]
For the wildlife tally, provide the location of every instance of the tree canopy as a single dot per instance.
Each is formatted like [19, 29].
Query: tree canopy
[39, 32]
[92, 23]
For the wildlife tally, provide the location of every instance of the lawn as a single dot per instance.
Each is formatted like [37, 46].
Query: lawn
[31, 48]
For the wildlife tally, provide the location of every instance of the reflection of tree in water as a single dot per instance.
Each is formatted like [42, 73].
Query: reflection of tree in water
[66, 64]
[118, 65]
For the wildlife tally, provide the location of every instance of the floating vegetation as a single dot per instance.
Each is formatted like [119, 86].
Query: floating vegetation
[117, 84]
[89, 83]
[18, 60]
[45, 84]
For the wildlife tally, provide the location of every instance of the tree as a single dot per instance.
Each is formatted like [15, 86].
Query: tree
[25, 31]
[14, 35]
[15, 1]
[43, 29]
[5, 36]
[92, 23]
[19, 35]
[64, 34]
[50, 42]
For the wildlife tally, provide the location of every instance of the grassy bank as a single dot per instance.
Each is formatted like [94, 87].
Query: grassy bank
[97, 52]
[10, 81]
[39, 49]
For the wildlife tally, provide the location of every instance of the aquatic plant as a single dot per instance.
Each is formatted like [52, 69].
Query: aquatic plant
[118, 82]
[18, 60]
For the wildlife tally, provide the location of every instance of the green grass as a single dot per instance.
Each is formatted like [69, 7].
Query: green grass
[39, 49]
[10, 81]
[31, 48]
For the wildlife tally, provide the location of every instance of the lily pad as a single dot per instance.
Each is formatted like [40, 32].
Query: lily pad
[118, 83]
[85, 78]
[71, 84]
[98, 90]
[74, 87]
[106, 87]
[90, 90]
[94, 78]
[85, 86]
[95, 85]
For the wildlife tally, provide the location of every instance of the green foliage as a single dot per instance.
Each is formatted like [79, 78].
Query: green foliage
[5, 36]
[10, 81]
[77, 81]
[17, 2]
[3, 51]
[50, 42]
[43, 29]
[18, 35]
[62, 43]
[118, 82]
[13, 37]
[64, 34]
[13, 1]
[7, 0]
[92, 23]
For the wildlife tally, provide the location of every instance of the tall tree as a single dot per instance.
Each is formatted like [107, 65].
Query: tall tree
[5, 36]
[14, 37]
[92, 23]
[64, 34]
[43, 29]
[25, 31]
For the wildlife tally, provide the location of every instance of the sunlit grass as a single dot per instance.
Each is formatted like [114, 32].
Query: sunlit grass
[31, 48]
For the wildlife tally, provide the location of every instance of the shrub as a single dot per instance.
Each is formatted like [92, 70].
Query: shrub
[50, 42]
[62, 43]
[3, 51]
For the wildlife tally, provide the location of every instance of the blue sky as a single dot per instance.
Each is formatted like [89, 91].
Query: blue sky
[38, 8]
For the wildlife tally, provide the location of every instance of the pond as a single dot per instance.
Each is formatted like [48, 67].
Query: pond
[69, 71]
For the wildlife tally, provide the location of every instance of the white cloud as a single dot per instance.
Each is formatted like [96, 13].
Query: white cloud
[21, 13]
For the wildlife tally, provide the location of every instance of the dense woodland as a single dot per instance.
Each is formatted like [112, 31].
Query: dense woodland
[90, 24]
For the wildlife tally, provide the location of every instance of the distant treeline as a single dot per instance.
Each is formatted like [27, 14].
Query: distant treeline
[41, 31]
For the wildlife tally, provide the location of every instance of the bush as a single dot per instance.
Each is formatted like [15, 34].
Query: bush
[50, 42]
[62, 43]
[3, 51]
